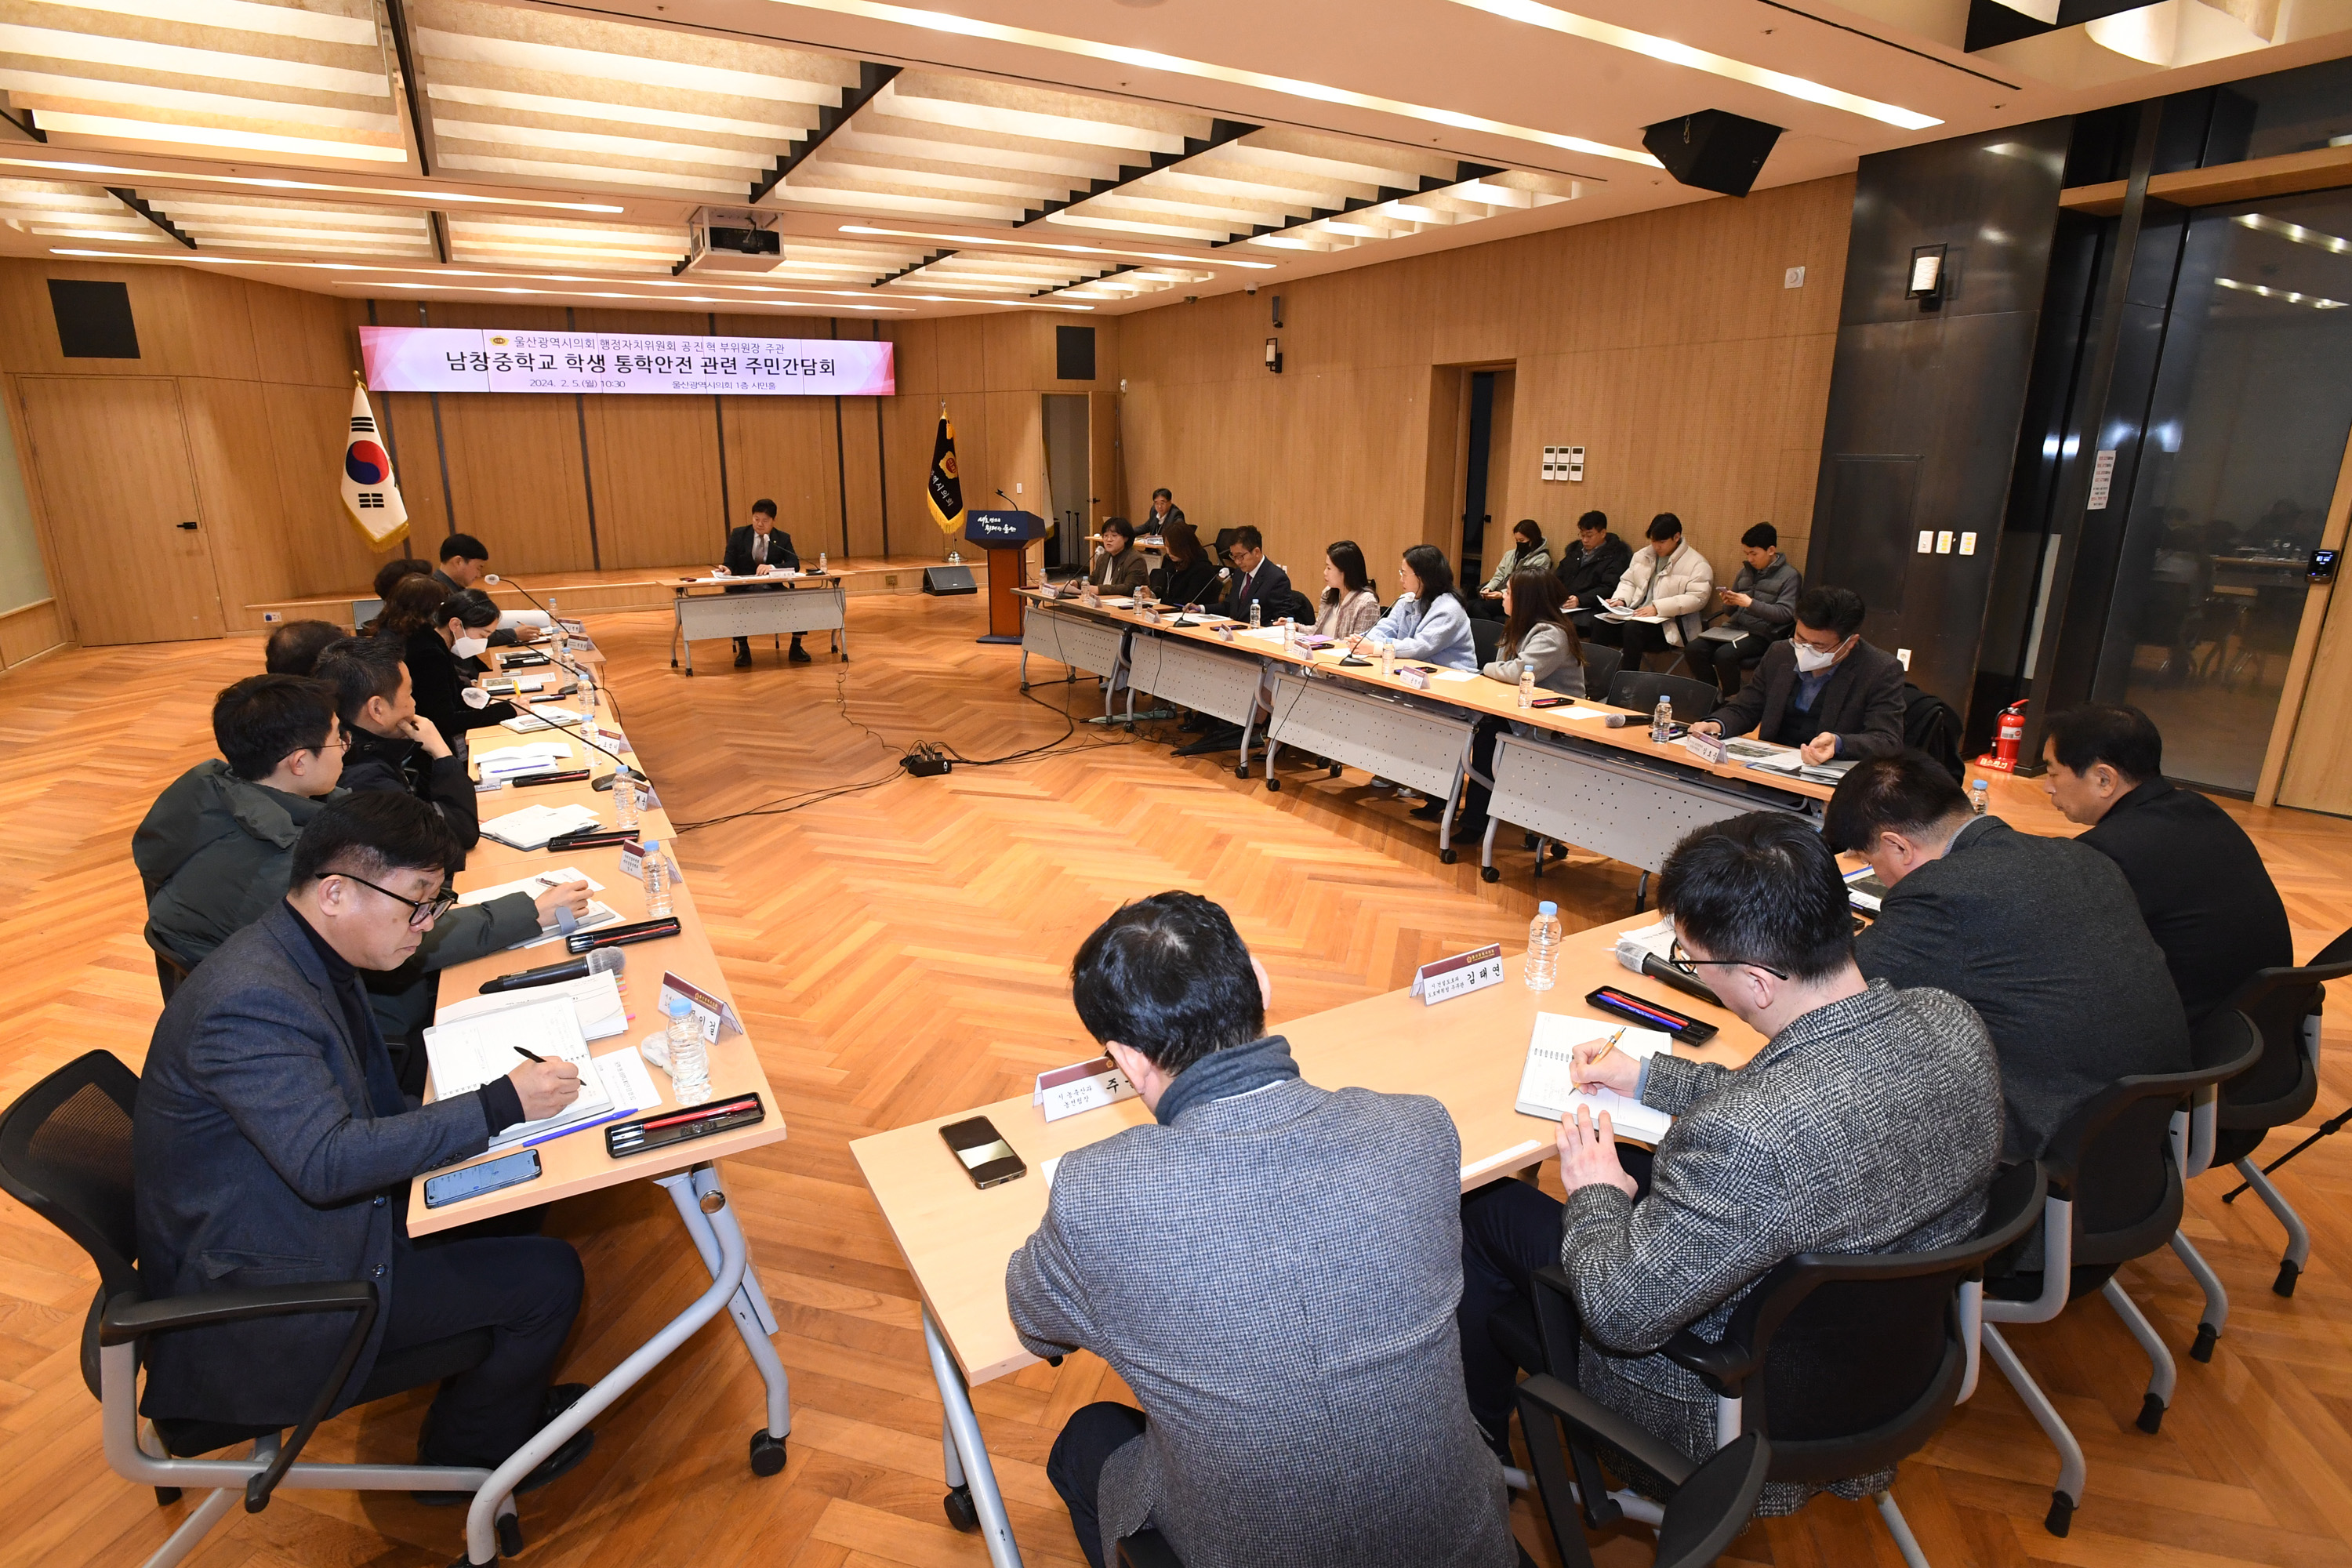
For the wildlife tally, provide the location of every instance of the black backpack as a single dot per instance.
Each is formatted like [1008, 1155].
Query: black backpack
[1930, 725]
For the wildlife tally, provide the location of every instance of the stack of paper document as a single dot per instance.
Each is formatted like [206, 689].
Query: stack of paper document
[1546, 1088]
[597, 913]
[544, 716]
[533, 757]
[595, 998]
[533, 825]
[468, 1053]
[1794, 762]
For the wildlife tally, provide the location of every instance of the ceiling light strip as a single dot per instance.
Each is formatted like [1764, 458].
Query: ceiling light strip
[1666, 49]
[178, 176]
[1177, 65]
[1009, 239]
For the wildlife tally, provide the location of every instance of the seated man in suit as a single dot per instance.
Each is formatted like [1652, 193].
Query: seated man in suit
[1589, 569]
[1870, 1121]
[1825, 691]
[274, 1147]
[465, 563]
[2201, 885]
[761, 549]
[213, 852]
[1164, 511]
[2039, 935]
[1255, 580]
[1270, 1266]
[294, 647]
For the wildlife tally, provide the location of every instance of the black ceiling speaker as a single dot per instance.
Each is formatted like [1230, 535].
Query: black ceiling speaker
[1713, 150]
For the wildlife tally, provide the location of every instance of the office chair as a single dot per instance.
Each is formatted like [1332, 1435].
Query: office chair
[1602, 664]
[65, 1153]
[1485, 639]
[1692, 701]
[2284, 1004]
[170, 969]
[1710, 1503]
[2115, 1196]
[1844, 1365]
[1147, 1548]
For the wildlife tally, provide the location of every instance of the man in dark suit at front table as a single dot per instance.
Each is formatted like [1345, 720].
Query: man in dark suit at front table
[1272, 1268]
[275, 1148]
[2201, 885]
[2041, 936]
[761, 549]
[1255, 580]
[1825, 691]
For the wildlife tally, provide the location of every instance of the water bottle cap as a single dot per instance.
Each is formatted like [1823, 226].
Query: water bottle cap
[1548, 908]
[678, 1006]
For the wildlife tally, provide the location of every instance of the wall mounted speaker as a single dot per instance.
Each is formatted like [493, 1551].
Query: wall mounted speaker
[1713, 150]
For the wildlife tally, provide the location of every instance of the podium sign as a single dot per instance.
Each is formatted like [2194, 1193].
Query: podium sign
[1006, 535]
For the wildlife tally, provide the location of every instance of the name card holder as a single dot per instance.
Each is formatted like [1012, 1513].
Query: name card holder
[1417, 679]
[1226, 632]
[1147, 615]
[1706, 748]
[1447, 978]
[1081, 1086]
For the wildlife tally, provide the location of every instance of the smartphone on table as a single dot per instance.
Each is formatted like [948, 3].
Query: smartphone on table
[987, 1158]
[506, 1170]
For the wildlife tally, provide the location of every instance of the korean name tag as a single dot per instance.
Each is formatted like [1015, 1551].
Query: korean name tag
[1417, 679]
[1706, 748]
[1082, 1086]
[1447, 978]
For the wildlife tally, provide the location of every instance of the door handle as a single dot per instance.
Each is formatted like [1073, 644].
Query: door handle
[189, 526]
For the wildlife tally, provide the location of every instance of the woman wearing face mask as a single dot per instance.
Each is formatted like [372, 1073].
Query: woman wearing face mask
[438, 632]
[1527, 553]
[1826, 691]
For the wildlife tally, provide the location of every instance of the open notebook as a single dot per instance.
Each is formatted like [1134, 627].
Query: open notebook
[1547, 1089]
[466, 1054]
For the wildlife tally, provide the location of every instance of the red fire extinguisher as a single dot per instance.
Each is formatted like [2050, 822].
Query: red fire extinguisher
[2009, 738]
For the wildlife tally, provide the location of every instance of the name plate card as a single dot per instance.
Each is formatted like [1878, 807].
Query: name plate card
[711, 1012]
[1082, 1086]
[1225, 632]
[1149, 616]
[1447, 978]
[1706, 748]
[1417, 679]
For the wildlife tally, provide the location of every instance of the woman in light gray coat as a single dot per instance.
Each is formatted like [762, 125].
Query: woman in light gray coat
[1538, 639]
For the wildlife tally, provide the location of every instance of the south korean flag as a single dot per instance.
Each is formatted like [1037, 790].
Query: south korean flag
[370, 493]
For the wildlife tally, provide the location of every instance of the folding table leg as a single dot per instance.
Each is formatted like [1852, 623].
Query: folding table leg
[754, 1319]
[969, 1476]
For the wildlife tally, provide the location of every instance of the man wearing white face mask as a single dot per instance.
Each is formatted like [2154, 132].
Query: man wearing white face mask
[1825, 691]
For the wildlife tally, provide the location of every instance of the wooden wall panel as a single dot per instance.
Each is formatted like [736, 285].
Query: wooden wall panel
[30, 630]
[655, 464]
[863, 455]
[321, 546]
[514, 469]
[408, 420]
[1663, 344]
[159, 310]
[236, 468]
[782, 448]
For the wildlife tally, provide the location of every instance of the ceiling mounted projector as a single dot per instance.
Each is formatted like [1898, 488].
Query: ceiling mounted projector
[731, 242]
[1713, 150]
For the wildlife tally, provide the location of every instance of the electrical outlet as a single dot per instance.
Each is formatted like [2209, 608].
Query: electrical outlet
[1794, 277]
[1926, 540]
[1902, 657]
[270, 617]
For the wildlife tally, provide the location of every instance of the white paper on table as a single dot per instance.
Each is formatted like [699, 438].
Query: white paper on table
[1578, 710]
[1454, 674]
[1547, 1089]
[597, 998]
[533, 825]
[533, 886]
[542, 716]
[626, 1080]
[532, 757]
[467, 1052]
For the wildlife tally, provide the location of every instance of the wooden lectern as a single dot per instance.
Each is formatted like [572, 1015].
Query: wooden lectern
[1006, 535]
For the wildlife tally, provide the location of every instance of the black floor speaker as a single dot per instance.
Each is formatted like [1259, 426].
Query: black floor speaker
[949, 580]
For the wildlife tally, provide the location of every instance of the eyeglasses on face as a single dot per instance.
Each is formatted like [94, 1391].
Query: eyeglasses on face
[1680, 959]
[420, 914]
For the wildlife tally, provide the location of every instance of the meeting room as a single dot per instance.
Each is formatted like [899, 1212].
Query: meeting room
[1461, 784]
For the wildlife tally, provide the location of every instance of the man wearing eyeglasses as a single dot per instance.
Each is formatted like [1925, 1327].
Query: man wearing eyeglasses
[1825, 691]
[273, 1147]
[1869, 1122]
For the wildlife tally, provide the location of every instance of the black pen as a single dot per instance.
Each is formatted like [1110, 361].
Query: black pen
[528, 1056]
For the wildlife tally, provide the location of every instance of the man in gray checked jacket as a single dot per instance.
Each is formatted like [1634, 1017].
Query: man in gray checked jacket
[1870, 1121]
[1272, 1269]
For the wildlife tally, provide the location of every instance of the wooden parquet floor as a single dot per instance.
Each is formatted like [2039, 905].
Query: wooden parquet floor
[901, 951]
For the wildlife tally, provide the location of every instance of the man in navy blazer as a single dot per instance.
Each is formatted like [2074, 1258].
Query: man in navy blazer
[1257, 580]
[274, 1147]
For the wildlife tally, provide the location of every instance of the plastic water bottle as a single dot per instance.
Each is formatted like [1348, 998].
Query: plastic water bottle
[1527, 686]
[1542, 966]
[1980, 795]
[624, 804]
[820, 563]
[1257, 615]
[689, 1054]
[1289, 630]
[1662, 721]
[656, 868]
[1388, 661]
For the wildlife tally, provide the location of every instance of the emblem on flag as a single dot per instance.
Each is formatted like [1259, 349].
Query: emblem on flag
[945, 492]
[371, 490]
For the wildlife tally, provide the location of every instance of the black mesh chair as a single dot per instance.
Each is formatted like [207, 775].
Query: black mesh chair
[1485, 639]
[65, 1153]
[1150, 1549]
[1844, 1365]
[2284, 1004]
[1706, 1507]
[1602, 664]
[2115, 1196]
[1691, 700]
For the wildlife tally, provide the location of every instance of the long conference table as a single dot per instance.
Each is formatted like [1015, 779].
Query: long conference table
[1576, 781]
[576, 1162]
[1468, 1053]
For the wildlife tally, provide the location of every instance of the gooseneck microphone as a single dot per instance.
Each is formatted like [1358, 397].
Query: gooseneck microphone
[604, 960]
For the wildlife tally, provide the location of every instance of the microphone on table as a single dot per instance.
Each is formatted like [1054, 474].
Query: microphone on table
[604, 960]
[1617, 720]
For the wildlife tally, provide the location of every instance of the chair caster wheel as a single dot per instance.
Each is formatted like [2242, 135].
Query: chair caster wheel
[2284, 1284]
[2151, 1414]
[1242, 771]
[166, 1496]
[767, 1454]
[2203, 1349]
[961, 1513]
[509, 1535]
[1335, 770]
[2062, 1514]
[1529, 841]
[1560, 851]
[1490, 873]
[1447, 857]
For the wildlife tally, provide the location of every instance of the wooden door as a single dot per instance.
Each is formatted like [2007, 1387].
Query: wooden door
[110, 456]
[1105, 472]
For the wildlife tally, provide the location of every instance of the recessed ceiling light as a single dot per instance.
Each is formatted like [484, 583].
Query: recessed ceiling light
[1023, 242]
[1178, 65]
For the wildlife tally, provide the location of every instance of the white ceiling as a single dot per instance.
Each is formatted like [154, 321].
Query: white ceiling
[1081, 157]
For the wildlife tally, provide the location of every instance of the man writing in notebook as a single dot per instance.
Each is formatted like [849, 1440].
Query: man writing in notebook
[1870, 1121]
[274, 1147]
